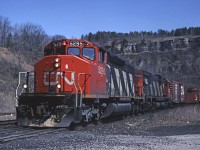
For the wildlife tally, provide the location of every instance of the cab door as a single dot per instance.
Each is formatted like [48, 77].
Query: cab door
[101, 81]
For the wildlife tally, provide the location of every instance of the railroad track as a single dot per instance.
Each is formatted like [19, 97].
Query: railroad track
[7, 122]
[28, 134]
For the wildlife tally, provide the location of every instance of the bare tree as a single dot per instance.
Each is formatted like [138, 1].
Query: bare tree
[5, 32]
[29, 39]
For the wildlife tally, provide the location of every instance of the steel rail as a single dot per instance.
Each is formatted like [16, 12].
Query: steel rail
[28, 135]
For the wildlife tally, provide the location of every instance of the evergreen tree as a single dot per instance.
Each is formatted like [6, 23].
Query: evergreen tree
[90, 37]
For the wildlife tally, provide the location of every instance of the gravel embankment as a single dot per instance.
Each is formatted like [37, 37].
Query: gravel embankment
[177, 128]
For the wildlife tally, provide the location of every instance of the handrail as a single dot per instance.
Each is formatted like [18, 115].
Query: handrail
[73, 79]
[16, 91]
[80, 86]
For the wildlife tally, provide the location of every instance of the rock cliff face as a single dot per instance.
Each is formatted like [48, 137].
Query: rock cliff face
[159, 44]
[175, 58]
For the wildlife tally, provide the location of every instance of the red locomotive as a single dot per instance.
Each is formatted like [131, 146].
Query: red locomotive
[77, 81]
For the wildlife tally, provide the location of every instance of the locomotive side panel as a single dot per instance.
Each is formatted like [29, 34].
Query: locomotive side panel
[121, 82]
[121, 77]
[98, 81]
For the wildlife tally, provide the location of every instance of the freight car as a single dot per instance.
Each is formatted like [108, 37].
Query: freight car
[192, 95]
[77, 82]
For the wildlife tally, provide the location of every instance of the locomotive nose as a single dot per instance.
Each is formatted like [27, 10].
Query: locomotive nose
[54, 75]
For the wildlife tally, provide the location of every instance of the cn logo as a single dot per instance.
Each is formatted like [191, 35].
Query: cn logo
[47, 75]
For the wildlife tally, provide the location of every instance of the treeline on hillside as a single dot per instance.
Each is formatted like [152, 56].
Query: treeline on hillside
[29, 39]
[138, 36]
[26, 39]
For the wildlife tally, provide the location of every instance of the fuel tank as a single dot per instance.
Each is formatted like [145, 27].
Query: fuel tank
[114, 109]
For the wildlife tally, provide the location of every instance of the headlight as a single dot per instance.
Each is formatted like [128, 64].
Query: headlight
[57, 60]
[56, 65]
[66, 66]
[25, 86]
[58, 86]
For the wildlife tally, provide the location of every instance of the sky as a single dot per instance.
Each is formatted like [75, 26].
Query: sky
[72, 18]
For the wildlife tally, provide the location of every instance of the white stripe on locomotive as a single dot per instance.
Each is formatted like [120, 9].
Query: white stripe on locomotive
[112, 86]
[158, 88]
[126, 83]
[154, 86]
[118, 82]
[131, 81]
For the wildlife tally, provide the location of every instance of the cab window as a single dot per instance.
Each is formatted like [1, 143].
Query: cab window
[48, 52]
[60, 50]
[89, 53]
[73, 51]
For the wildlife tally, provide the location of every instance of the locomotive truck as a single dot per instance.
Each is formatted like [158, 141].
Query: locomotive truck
[77, 81]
